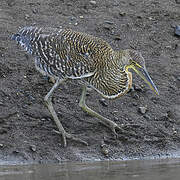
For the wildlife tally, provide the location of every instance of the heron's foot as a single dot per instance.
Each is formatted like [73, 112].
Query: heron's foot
[112, 126]
[108, 123]
[70, 136]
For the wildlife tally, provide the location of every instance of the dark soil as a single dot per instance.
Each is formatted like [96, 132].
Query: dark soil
[26, 127]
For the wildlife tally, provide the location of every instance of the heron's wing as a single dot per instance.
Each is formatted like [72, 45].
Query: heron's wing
[63, 58]
[55, 54]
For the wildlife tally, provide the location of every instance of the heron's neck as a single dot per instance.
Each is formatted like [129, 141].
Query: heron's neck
[112, 80]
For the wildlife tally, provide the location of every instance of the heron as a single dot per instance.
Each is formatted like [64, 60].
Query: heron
[64, 54]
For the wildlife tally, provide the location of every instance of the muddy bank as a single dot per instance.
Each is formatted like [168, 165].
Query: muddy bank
[26, 127]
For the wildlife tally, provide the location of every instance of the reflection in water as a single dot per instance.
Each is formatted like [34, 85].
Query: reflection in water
[106, 170]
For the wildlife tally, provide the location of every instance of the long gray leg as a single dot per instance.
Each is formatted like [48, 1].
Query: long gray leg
[48, 100]
[110, 124]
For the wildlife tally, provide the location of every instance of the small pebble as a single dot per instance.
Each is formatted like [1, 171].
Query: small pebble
[27, 16]
[177, 31]
[1, 145]
[150, 18]
[43, 119]
[87, 93]
[168, 47]
[72, 18]
[109, 22]
[104, 150]
[146, 116]
[15, 151]
[122, 13]
[177, 1]
[142, 109]
[103, 102]
[33, 148]
[117, 37]
[170, 114]
[93, 2]
[176, 46]
[139, 16]
[115, 112]
[34, 11]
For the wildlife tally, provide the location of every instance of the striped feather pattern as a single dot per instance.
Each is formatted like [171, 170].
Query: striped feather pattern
[61, 53]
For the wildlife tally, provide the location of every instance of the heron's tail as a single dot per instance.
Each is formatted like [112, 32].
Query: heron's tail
[24, 38]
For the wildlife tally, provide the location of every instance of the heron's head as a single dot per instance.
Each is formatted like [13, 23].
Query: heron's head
[135, 61]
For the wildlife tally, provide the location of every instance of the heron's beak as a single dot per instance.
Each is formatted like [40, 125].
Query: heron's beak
[142, 72]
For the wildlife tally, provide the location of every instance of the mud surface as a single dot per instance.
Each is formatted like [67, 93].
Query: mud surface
[26, 127]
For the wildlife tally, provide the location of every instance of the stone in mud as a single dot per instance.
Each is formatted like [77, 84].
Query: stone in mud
[142, 109]
[177, 31]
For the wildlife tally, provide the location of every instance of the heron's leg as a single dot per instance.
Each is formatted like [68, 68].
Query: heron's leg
[110, 124]
[48, 100]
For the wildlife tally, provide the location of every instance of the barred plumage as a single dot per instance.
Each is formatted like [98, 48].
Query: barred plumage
[65, 54]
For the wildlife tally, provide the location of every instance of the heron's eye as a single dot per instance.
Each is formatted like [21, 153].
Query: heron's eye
[132, 62]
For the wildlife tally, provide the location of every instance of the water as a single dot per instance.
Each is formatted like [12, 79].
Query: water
[167, 169]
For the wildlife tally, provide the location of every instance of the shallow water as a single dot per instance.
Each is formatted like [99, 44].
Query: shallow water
[167, 169]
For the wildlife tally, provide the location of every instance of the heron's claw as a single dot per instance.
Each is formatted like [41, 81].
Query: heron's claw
[70, 136]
